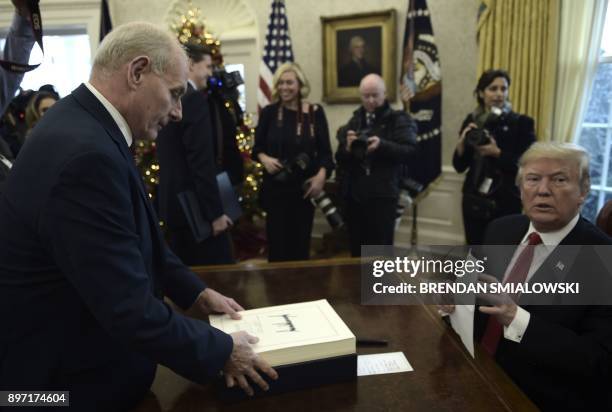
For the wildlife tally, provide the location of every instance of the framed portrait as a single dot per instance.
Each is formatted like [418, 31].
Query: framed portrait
[356, 45]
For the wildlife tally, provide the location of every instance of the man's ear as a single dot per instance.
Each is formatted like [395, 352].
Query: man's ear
[136, 68]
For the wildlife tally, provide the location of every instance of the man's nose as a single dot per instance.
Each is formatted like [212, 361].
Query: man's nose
[543, 188]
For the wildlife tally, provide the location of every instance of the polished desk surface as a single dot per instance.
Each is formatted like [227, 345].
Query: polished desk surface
[445, 377]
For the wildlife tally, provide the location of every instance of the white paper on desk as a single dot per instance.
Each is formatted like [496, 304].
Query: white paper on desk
[381, 363]
[462, 320]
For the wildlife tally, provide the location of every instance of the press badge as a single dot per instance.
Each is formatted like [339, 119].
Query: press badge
[485, 186]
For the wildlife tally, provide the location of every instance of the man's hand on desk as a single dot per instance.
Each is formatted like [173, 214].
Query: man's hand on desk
[211, 301]
[244, 362]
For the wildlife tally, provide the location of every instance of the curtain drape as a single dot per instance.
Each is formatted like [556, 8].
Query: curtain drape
[521, 36]
[581, 30]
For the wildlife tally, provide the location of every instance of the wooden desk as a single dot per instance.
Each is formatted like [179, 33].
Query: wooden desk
[445, 377]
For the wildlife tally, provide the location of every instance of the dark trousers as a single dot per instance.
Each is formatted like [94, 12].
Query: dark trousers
[216, 250]
[289, 227]
[370, 222]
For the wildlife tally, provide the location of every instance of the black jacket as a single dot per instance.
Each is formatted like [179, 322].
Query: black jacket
[378, 175]
[185, 151]
[514, 133]
[279, 139]
[564, 360]
[224, 122]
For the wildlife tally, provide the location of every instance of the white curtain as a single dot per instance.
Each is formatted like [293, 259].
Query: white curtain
[581, 28]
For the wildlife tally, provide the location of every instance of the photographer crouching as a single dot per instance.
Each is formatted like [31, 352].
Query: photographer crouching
[492, 139]
[292, 143]
[372, 146]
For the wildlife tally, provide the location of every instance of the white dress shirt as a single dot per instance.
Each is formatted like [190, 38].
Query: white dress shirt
[6, 162]
[117, 117]
[550, 240]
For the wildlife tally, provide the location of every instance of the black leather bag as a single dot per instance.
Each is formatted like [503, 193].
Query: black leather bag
[479, 207]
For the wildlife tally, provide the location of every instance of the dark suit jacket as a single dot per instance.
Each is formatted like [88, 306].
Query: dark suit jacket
[83, 267]
[225, 122]
[514, 133]
[397, 132]
[564, 360]
[185, 151]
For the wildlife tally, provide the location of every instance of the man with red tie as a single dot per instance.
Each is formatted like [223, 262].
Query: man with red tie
[559, 354]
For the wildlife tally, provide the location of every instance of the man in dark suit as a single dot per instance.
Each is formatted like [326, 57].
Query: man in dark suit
[83, 266]
[369, 177]
[558, 349]
[186, 154]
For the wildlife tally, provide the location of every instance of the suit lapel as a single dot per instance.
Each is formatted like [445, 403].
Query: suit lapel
[96, 109]
[99, 112]
[557, 266]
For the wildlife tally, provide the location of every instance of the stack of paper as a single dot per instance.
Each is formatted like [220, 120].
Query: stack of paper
[294, 333]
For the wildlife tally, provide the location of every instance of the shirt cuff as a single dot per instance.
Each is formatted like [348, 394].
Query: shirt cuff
[516, 330]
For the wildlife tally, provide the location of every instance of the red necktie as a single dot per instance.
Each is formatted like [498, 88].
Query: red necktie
[517, 275]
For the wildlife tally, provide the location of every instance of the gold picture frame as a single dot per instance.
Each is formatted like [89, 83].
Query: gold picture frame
[354, 45]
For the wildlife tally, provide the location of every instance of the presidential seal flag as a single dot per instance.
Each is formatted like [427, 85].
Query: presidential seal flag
[421, 75]
[277, 50]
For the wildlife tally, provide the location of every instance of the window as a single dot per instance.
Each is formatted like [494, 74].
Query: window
[596, 133]
[66, 62]
[241, 89]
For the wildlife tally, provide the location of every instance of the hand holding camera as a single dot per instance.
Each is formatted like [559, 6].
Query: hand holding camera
[314, 185]
[351, 136]
[373, 143]
[271, 164]
[489, 149]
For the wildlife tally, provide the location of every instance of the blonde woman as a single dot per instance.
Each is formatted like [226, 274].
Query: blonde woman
[292, 143]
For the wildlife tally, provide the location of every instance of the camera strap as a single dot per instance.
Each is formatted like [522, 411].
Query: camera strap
[36, 24]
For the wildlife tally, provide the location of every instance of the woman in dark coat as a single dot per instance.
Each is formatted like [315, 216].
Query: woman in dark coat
[492, 139]
[292, 143]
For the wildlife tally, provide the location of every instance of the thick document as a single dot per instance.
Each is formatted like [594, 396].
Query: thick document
[200, 227]
[307, 343]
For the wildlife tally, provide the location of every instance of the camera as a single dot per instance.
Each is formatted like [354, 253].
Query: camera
[292, 169]
[480, 136]
[327, 207]
[359, 147]
[411, 186]
[222, 81]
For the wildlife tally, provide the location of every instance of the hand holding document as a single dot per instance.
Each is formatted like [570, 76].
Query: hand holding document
[462, 321]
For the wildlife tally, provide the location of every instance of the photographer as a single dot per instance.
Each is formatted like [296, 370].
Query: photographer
[371, 148]
[492, 139]
[226, 115]
[292, 143]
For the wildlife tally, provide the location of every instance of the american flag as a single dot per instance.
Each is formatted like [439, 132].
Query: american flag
[277, 50]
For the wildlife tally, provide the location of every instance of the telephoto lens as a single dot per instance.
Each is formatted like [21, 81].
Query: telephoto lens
[329, 210]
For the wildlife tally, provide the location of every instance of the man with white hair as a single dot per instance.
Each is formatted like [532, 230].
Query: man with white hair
[560, 356]
[83, 265]
[371, 148]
